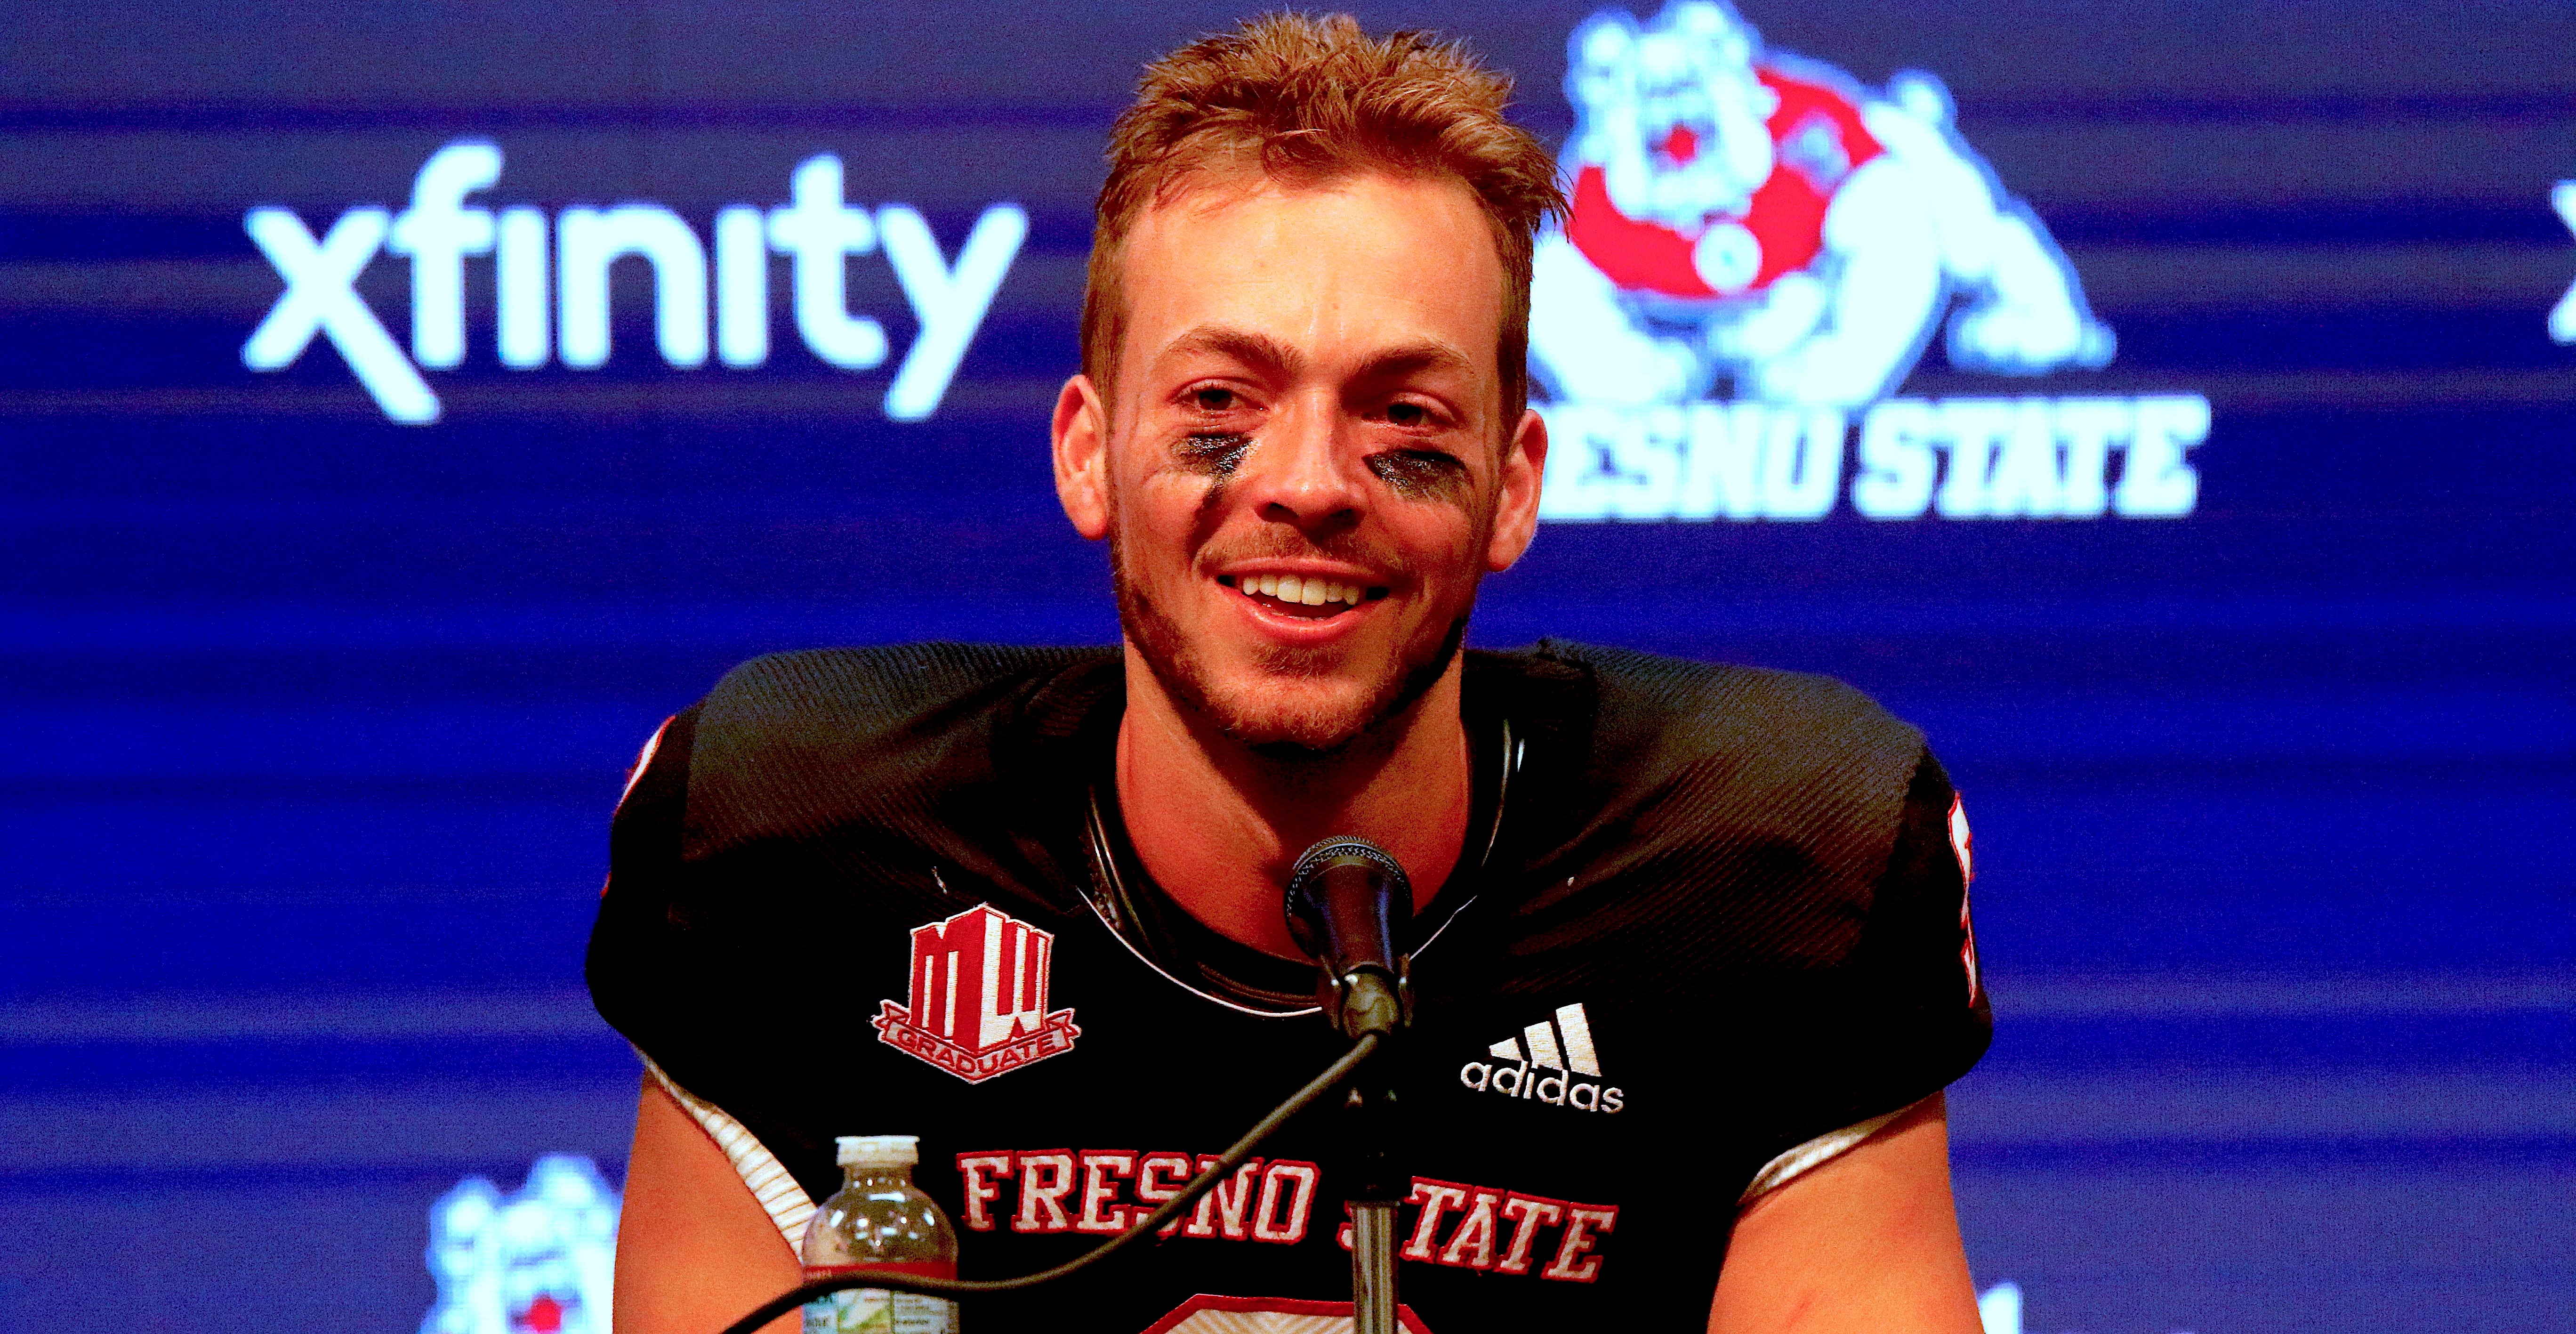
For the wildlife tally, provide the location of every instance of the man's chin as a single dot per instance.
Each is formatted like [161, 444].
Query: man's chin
[1298, 722]
[1293, 712]
[1287, 703]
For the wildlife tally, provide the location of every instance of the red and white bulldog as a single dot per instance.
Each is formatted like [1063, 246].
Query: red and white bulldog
[1755, 223]
[537, 1261]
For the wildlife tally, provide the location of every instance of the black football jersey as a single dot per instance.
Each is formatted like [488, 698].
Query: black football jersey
[1705, 914]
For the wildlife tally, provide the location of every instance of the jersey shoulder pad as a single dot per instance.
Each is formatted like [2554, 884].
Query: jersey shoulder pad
[791, 739]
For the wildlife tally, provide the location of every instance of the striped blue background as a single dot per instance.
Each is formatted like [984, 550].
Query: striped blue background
[312, 722]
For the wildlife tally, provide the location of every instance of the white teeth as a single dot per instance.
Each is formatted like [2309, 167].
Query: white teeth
[1312, 592]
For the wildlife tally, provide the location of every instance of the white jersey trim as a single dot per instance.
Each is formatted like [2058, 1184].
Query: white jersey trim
[1817, 1152]
[770, 1183]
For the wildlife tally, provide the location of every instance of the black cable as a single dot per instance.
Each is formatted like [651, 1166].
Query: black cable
[1199, 1185]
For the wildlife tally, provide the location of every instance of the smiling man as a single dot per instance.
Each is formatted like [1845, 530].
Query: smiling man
[1303, 458]
[1690, 942]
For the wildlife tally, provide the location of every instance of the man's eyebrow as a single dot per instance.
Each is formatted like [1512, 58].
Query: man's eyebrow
[1248, 346]
[1254, 348]
[1428, 355]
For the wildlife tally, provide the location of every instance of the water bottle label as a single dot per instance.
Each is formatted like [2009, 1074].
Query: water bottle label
[877, 1311]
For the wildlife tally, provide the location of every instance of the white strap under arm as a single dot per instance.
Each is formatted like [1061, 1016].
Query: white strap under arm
[1817, 1152]
[785, 1201]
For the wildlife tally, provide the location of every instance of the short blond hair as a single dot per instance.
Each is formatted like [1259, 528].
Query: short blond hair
[1299, 99]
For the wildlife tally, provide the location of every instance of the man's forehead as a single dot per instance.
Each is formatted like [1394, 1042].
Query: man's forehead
[1205, 195]
[1231, 263]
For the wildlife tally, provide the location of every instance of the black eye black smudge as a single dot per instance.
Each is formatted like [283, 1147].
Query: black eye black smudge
[1421, 474]
[1211, 453]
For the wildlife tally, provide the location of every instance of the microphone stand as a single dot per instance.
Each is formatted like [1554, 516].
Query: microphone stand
[1347, 903]
[1379, 1182]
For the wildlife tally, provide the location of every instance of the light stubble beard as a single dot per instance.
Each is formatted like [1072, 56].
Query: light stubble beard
[1312, 733]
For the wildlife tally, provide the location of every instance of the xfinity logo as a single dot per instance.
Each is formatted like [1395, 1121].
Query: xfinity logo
[550, 305]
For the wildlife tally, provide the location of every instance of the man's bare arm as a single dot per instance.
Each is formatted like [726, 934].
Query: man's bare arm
[695, 1251]
[1868, 1243]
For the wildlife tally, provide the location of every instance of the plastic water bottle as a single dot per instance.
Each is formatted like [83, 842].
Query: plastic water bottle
[879, 1220]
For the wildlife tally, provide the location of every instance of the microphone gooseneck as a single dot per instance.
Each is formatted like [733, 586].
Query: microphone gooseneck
[1348, 902]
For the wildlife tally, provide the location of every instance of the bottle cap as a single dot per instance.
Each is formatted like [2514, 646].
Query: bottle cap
[879, 1150]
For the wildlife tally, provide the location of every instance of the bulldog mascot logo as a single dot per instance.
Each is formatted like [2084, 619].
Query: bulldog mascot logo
[538, 1261]
[1753, 226]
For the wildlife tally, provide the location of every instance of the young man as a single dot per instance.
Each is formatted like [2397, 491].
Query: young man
[1690, 942]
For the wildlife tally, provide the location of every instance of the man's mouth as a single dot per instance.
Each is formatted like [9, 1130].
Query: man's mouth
[1292, 595]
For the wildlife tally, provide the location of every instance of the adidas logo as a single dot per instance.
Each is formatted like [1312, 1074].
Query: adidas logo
[1563, 1049]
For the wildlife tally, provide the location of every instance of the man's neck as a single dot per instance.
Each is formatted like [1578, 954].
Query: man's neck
[1219, 826]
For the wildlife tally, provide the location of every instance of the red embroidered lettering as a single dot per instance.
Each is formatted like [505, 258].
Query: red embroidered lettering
[979, 997]
[1046, 1177]
[1290, 1182]
[1472, 1245]
[1100, 1167]
[1436, 1198]
[1528, 1213]
[982, 1188]
[1067, 1190]
[1159, 1177]
[1580, 1222]
[1226, 1200]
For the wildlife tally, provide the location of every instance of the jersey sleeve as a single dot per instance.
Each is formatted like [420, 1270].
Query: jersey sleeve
[1906, 1012]
[649, 971]
[644, 869]
[1918, 944]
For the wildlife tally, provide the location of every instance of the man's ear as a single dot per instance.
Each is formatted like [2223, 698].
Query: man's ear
[1081, 436]
[1516, 504]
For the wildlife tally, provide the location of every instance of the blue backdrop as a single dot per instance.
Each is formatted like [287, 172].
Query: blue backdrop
[315, 716]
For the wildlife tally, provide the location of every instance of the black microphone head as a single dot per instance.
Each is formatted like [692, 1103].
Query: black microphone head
[1347, 900]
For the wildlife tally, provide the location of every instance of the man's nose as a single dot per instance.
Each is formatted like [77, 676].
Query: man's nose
[1303, 473]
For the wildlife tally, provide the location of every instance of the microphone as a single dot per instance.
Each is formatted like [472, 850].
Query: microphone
[1347, 902]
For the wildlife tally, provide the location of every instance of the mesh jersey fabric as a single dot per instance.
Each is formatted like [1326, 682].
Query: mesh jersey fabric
[1717, 915]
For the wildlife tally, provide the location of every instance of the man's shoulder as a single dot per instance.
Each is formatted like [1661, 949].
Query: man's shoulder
[1701, 763]
[1699, 820]
[877, 686]
[812, 737]
[1685, 711]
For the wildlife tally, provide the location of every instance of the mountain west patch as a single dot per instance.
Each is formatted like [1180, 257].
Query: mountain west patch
[979, 997]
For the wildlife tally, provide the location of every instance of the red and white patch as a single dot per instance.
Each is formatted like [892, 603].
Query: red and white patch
[979, 997]
[1208, 1313]
[1962, 843]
